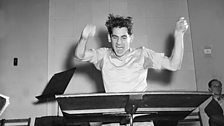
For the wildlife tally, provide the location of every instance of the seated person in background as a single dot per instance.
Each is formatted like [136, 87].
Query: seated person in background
[124, 69]
[215, 108]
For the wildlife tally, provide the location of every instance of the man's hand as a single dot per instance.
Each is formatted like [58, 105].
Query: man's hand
[88, 31]
[181, 25]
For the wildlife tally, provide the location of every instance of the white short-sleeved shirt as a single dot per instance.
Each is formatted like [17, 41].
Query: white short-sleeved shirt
[126, 74]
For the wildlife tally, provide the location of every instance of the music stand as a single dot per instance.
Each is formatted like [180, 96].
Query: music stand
[4, 102]
[56, 86]
[155, 105]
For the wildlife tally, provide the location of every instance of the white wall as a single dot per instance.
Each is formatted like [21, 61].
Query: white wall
[23, 35]
[207, 31]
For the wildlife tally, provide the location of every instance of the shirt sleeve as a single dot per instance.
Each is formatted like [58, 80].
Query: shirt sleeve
[96, 57]
[153, 59]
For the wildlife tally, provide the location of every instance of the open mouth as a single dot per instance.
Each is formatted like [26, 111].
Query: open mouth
[119, 47]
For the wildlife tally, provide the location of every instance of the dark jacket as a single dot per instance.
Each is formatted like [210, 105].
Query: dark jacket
[215, 113]
[213, 108]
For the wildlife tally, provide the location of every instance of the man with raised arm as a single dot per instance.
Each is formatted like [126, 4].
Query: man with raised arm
[124, 69]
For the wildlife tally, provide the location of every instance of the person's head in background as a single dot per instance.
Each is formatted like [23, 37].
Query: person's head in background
[120, 33]
[215, 87]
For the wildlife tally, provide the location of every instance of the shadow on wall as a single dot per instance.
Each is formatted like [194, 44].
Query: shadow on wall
[87, 68]
[84, 68]
[164, 76]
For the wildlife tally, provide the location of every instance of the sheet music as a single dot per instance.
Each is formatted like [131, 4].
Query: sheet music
[4, 102]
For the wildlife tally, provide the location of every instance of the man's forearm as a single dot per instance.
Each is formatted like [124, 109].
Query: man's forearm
[81, 48]
[178, 51]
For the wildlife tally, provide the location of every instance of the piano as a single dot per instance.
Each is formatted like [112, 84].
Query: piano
[130, 107]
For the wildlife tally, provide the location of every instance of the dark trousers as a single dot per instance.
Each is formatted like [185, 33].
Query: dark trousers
[216, 120]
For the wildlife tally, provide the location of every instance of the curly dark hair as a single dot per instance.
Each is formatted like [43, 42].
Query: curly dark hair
[210, 82]
[119, 21]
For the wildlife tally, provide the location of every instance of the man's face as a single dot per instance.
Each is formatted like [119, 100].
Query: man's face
[216, 88]
[120, 41]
